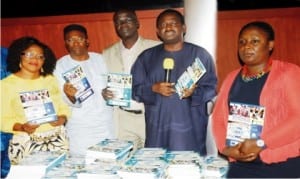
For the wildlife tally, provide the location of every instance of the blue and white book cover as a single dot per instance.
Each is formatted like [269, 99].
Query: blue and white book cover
[245, 121]
[121, 86]
[78, 79]
[38, 106]
[190, 76]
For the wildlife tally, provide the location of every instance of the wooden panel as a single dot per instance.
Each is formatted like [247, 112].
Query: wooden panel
[286, 23]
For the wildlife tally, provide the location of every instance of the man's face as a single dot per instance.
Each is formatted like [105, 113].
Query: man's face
[170, 29]
[126, 24]
[76, 43]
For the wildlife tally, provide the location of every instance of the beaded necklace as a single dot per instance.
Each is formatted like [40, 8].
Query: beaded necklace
[246, 76]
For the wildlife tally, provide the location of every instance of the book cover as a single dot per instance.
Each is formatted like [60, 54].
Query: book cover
[190, 76]
[245, 121]
[78, 79]
[110, 148]
[121, 86]
[38, 106]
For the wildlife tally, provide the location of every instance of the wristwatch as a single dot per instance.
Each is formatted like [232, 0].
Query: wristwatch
[260, 143]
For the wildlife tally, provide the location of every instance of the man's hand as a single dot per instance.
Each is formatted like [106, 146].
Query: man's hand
[188, 92]
[107, 94]
[70, 91]
[164, 88]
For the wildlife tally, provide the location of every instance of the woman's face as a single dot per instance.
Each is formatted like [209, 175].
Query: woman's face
[32, 59]
[254, 47]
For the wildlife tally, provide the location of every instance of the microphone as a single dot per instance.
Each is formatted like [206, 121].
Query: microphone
[168, 65]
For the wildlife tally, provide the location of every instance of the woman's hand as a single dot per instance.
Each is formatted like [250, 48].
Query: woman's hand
[249, 146]
[235, 153]
[26, 127]
[61, 120]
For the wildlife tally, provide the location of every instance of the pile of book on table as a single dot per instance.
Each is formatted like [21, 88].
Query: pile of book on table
[114, 159]
[36, 165]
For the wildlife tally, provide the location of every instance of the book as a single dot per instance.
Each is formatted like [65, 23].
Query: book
[215, 167]
[36, 165]
[38, 106]
[245, 121]
[78, 79]
[143, 168]
[190, 76]
[109, 149]
[121, 86]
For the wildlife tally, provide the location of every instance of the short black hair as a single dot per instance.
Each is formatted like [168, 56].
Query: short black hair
[170, 11]
[76, 27]
[19, 45]
[129, 11]
[264, 26]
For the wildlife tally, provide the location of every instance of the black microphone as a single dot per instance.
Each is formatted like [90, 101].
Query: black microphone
[168, 65]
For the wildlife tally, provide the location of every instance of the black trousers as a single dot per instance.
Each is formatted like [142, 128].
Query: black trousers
[258, 169]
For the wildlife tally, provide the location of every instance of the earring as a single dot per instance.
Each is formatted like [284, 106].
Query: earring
[42, 70]
[20, 65]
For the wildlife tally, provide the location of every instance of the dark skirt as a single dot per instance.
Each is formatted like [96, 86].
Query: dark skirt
[258, 169]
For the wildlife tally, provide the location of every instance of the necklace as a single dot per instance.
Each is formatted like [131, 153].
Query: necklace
[246, 76]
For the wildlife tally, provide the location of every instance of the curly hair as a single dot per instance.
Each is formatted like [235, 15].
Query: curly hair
[19, 45]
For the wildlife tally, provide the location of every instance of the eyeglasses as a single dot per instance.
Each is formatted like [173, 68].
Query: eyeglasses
[73, 40]
[31, 55]
[124, 21]
[169, 24]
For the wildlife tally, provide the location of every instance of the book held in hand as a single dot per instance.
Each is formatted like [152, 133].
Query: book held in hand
[190, 76]
[38, 106]
[78, 79]
[245, 121]
[121, 86]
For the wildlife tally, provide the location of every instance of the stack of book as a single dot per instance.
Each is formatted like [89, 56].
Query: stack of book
[36, 165]
[67, 169]
[144, 163]
[215, 167]
[183, 164]
[109, 149]
[143, 168]
[104, 169]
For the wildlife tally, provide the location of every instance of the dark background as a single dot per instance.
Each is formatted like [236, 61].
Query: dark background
[33, 8]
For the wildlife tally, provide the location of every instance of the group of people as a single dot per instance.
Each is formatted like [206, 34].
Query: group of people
[157, 117]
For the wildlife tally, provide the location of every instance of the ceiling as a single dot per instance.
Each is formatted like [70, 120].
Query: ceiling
[34, 8]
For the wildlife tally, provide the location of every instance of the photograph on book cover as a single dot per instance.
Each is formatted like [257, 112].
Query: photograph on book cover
[38, 106]
[77, 78]
[245, 121]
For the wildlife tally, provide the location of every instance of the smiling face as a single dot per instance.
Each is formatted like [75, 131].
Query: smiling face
[170, 29]
[32, 60]
[254, 47]
[126, 24]
[77, 44]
